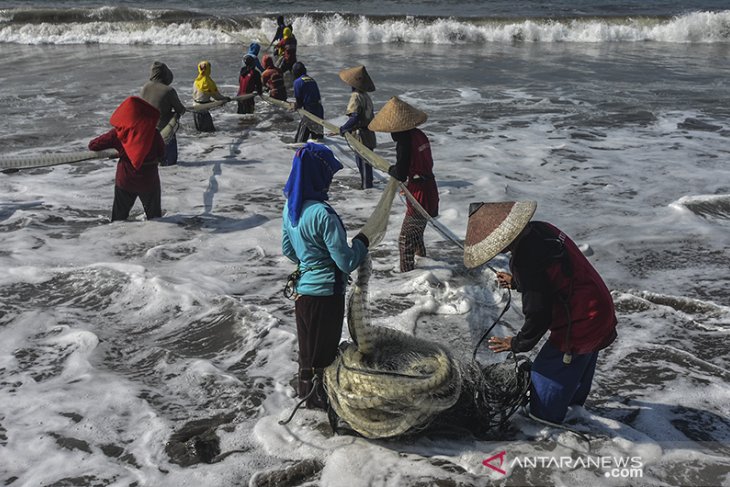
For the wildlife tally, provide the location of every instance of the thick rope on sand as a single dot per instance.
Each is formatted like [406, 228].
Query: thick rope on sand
[388, 383]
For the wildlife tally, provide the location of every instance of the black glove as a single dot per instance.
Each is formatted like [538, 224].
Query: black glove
[342, 131]
[361, 237]
[392, 171]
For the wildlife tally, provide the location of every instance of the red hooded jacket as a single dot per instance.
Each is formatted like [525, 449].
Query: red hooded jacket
[560, 288]
[139, 144]
[273, 79]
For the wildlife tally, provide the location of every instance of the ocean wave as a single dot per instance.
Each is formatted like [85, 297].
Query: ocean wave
[119, 25]
[706, 206]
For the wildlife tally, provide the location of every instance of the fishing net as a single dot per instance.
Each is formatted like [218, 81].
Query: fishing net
[377, 224]
[387, 383]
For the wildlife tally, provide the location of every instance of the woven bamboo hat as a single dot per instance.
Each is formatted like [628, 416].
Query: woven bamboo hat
[397, 116]
[492, 227]
[358, 78]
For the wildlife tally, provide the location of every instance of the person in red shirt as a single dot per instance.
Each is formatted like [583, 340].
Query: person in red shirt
[140, 147]
[414, 166]
[561, 293]
[249, 81]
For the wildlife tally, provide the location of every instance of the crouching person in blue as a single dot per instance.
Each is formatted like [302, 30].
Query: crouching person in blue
[314, 237]
[561, 292]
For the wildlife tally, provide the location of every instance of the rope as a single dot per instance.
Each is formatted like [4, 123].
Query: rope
[55, 159]
[169, 131]
[577, 433]
[204, 107]
[504, 310]
[377, 224]
[377, 162]
[44, 160]
[389, 383]
[315, 382]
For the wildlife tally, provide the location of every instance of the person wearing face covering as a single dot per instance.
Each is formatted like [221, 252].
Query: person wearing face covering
[140, 146]
[158, 93]
[314, 238]
[280, 25]
[204, 90]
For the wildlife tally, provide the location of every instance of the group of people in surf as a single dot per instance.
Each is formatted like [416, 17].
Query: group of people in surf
[255, 76]
[561, 291]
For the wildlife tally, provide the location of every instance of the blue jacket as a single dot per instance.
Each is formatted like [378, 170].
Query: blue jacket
[318, 244]
[307, 95]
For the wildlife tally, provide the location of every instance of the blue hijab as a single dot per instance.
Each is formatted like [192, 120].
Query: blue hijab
[310, 177]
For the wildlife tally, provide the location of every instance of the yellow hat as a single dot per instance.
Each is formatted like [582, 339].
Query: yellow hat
[397, 116]
[358, 78]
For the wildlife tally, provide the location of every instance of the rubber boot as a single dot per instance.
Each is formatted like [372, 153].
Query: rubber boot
[307, 382]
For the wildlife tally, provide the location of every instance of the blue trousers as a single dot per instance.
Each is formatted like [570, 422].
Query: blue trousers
[170, 152]
[366, 173]
[556, 385]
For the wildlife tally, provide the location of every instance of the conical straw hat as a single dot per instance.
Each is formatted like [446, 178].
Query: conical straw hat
[358, 78]
[492, 227]
[397, 116]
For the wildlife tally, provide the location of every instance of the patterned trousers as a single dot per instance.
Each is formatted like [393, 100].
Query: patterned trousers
[411, 242]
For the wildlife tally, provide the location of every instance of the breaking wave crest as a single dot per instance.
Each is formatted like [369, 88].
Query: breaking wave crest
[706, 206]
[120, 25]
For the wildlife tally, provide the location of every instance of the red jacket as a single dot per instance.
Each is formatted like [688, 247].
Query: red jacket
[274, 81]
[421, 181]
[249, 80]
[560, 286]
[288, 47]
[136, 139]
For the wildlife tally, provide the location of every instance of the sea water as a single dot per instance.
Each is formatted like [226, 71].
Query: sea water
[121, 344]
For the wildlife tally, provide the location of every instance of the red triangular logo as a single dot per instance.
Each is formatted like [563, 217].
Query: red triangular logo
[500, 456]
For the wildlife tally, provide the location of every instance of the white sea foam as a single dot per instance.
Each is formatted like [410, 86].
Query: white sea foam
[116, 335]
[335, 29]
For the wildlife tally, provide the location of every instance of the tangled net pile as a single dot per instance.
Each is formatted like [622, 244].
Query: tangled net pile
[388, 383]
